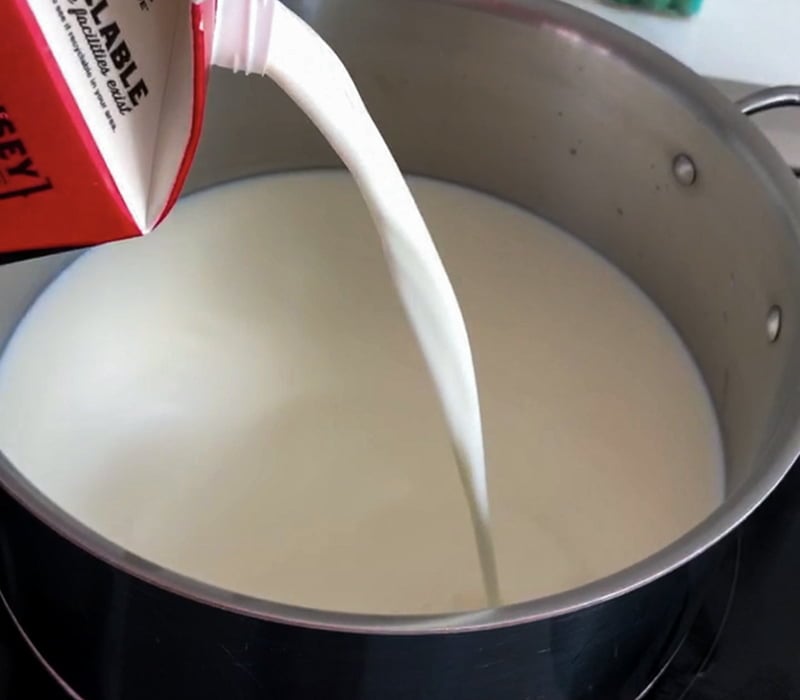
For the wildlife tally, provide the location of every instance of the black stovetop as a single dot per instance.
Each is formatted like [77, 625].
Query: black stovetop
[744, 645]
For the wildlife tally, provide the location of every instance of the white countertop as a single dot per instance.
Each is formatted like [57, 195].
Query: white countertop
[746, 41]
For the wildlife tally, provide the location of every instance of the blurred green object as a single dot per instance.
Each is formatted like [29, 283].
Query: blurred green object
[683, 7]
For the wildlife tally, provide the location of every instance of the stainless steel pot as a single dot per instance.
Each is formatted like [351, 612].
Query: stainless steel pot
[578, 121]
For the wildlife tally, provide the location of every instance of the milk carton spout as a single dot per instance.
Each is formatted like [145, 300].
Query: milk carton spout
[242, 33]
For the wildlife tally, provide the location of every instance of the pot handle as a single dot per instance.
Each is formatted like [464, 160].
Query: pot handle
[769, 99]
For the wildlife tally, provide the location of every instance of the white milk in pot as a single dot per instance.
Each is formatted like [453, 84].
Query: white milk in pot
[241, 398]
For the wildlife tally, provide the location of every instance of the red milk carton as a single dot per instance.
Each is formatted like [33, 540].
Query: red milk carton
[101, 106]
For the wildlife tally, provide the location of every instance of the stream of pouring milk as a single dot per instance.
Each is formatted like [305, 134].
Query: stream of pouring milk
[239, 398]
[309, 71]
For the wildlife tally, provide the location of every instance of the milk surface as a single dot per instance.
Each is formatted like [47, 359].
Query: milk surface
[240, 398]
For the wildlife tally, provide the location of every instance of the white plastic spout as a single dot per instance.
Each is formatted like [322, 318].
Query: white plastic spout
[242, 35]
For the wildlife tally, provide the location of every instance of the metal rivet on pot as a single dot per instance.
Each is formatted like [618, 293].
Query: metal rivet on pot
[774, 323]
[684, 169]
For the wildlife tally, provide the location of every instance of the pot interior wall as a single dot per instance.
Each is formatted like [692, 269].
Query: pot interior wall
[538, 109]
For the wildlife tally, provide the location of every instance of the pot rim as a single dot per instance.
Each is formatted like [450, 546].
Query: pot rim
[720, 114]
